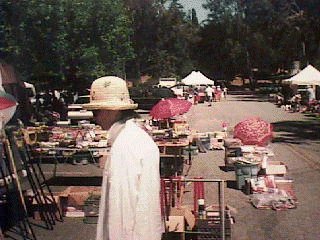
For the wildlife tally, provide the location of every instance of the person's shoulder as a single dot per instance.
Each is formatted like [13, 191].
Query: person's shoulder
[135, 130]
[136, 137]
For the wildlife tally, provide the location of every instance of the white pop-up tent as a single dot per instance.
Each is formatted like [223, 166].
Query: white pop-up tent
[197, 78]
[307, 76]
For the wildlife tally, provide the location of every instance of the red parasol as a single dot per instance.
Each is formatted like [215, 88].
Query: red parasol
[170, 107]
[253, 131]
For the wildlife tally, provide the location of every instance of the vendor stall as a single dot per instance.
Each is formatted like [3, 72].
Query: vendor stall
[77, 145]
[171, 156]
[257, 170]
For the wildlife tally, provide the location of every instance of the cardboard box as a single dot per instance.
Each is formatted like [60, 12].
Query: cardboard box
[217, 143]
[75, 196]
[232, 142]
[276, 168]
[186, 213]
[286, 185]
[175, 224]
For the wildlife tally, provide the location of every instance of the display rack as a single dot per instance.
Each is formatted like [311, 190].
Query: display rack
[215, 224]
[41, 192]
[12, 184]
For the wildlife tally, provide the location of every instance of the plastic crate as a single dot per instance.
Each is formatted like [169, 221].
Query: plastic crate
[241, 180]
[211, 229]
[90, 220]
[91, 209]
[246, 169]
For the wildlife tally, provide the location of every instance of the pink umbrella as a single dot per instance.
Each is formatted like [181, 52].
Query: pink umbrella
[253, 131]
[169, 107]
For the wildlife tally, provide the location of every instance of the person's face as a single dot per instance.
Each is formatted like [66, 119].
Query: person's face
[105, 118]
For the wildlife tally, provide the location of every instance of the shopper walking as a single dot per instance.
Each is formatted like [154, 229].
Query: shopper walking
[225, 91]
[218, 93]
[209, 92]
[130, 200]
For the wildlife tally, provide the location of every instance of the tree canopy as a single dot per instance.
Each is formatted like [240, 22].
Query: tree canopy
[69, 43]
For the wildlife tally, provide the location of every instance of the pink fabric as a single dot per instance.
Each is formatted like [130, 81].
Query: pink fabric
[254, 131]
[170, 107]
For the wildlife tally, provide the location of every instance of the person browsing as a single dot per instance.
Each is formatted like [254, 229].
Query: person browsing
[130, 200]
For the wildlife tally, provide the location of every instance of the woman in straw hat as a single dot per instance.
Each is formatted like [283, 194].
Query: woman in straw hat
[130, 203]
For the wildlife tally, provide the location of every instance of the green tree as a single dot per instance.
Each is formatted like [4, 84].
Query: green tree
[67, 42]
[177, 36]
[265, 35]
[163, 38]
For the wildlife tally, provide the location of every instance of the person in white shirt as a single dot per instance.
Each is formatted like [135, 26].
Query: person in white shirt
[130, 199]
[225, 91]
[209, 92]
[311, 93]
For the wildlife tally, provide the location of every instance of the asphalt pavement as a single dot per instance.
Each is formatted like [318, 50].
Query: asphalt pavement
[296, 143]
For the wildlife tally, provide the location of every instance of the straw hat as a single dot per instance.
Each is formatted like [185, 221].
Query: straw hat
[110, 93]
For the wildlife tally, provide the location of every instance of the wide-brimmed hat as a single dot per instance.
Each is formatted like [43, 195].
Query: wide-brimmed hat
[110, 93]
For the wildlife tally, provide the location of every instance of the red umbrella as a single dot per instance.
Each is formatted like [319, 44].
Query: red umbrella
[170, 107]
[7, 107]
[253, 131]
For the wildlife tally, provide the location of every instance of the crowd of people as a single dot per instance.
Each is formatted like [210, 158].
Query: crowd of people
[296, 100]
[52, 105]
[207, 93]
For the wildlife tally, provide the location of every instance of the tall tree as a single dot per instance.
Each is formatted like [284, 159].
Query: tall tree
[145, 24]
[163, 38]
[260, 35]
[177, 37]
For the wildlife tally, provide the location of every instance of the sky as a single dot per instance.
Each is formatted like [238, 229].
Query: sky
[197, 5]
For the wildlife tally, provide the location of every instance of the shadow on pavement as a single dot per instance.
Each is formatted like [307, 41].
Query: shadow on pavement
[296, 131]
[232, 184]
[226, 169]
[75, 181]
[250, 98]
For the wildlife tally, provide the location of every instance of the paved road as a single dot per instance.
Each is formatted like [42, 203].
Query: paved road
[297, 143]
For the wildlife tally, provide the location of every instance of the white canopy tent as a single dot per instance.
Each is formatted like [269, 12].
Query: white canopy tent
[197, 78]
[307, 76]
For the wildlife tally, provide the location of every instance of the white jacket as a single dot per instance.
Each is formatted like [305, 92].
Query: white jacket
[130, 202]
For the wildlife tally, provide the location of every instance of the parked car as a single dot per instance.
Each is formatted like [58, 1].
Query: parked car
[147, 97]
[180, 89]
[76, 112]
[268, 88]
